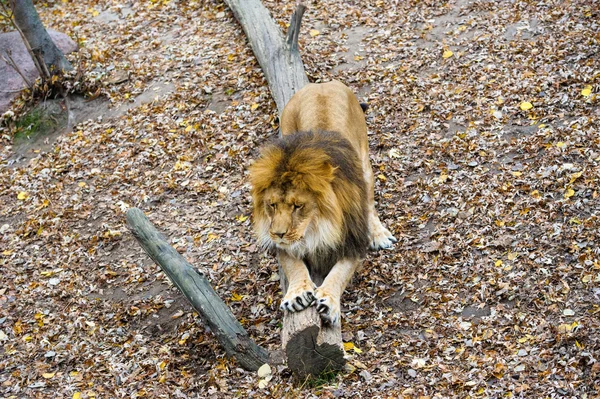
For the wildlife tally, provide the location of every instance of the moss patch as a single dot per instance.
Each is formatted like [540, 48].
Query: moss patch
[39, 122]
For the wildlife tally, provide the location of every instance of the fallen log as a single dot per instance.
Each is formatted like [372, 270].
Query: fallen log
[196, 288]
[311, 348]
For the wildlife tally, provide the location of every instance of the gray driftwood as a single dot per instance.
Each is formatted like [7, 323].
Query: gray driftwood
[311, 348]
[196, 288]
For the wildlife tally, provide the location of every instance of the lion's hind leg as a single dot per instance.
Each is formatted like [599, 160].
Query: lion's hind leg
[380, 237]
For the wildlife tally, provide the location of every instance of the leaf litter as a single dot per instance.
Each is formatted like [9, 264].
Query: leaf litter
[483, 121]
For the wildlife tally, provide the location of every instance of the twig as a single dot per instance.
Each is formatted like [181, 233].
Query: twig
[294, 29]
[7, 57]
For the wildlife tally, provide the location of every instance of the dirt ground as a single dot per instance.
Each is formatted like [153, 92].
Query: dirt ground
[483, 125]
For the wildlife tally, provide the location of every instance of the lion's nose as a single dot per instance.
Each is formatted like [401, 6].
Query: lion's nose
[279, 234]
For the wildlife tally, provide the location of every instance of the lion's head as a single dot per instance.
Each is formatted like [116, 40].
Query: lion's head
[309, 194]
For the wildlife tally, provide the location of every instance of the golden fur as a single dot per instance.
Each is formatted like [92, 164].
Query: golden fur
[312, 193]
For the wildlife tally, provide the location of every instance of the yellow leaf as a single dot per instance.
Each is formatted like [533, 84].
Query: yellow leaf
[561, 144]
[236, 297]
[211, 236]
[447, 54]
[381, 177]
[82, 184]
[242, 218]
[536, 194]
[254, 106]
[77, 395]
[587, 90]
[189, 128]
[526, 105]
[314, 32]
[95, 13]
[7, 252]
[162, 379]
[569, 193]
[587, 278]
[498, 263]
[516, 174]
[23, 195]
[512, 255]
[348, 346]
[48, 375]
[575, 176]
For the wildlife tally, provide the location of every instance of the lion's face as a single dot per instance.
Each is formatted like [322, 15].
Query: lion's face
[295, 206]
[288, 213]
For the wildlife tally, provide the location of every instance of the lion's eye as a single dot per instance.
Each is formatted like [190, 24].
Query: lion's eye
[272, 205]
[298, 206]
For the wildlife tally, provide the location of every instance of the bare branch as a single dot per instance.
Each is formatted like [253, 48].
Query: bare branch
[7, 57]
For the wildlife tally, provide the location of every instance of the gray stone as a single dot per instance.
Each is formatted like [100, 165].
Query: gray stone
[11, 82]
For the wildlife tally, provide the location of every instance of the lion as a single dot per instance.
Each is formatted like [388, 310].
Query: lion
[313, 197]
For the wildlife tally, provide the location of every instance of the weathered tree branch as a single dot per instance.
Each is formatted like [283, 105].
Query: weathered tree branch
[280, 62]
[196, 288]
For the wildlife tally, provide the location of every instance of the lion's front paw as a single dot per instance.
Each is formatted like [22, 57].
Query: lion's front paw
[381, 238]
[298, 297]
[328, 307]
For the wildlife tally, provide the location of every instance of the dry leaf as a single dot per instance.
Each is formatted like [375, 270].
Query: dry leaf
[447, 54]
[525, 105]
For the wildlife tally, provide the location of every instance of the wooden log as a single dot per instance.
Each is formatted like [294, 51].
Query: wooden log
[310, 347]
[196, 288]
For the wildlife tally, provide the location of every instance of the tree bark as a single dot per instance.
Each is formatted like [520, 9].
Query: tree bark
[30, 26]
[196, 288]
[311, 348]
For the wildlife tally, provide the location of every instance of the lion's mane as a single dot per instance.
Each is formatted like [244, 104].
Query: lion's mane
[326, 165]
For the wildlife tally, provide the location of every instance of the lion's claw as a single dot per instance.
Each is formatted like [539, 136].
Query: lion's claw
[328, 308]
[298, 299]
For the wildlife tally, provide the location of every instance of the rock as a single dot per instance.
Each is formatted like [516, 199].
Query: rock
[11, 82]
